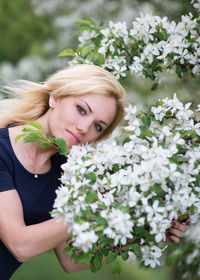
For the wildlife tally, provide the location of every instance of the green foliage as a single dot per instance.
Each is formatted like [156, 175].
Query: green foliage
[92, 177]
[96, 263]
[111, 257]
[37, 135]
[21, 29]
[90, 197]
[100, 220]
[67, 52]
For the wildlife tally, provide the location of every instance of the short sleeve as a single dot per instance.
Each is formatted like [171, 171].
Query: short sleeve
[6, 181]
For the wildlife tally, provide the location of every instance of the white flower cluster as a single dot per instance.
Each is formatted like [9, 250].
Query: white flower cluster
[151, 46]
[196, 4]
[134, 186]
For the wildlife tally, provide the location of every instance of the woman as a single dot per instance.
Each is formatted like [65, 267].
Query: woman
[80, 104]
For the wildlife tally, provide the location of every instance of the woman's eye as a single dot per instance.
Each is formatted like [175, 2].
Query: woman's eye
[81, 110]
[98, 127]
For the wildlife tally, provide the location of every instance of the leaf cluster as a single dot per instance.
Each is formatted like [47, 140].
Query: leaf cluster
[34, 132]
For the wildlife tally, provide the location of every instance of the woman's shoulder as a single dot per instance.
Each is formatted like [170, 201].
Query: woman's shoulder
[3, 132]
[4, 139]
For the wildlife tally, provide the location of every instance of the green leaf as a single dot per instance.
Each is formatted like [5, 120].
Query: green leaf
[135, 249]
[116, 167]
[85, 50]
[146, 121]
[87, 21]
[67, 52]
[19, 136]
[154, 87]
[90, 197]
[29, 130]
[111, 257]
[82, 28]
[164, 34]
[99, 228]
[189, 132]
[149, 74]
[92, 177]
[126, 140]
[90, 57]
[158, 190]
[102, 206]
[106, 242]
[85, 258]
[100, 220]
[174, 159]
[60, 142]
[125, 256]
[44, 144]
[150, 238]
[96, 263]
[99, 58]
[32, 138]
[192, 209]
[35, 124]
[179, 71]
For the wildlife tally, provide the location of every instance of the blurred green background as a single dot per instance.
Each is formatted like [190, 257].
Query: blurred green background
[47, 267]
[33, 33]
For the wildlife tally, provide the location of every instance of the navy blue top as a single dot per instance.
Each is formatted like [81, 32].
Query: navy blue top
[37, 194]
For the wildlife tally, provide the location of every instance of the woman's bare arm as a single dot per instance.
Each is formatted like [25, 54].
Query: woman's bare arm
[26, 242]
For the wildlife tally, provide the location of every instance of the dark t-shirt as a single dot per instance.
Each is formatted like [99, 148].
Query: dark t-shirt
[37, 194]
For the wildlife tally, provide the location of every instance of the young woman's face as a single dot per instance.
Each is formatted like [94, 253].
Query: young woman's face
[81, 119]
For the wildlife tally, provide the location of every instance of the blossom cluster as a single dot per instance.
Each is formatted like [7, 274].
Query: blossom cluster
[151, 46]
[121, 196]
[196, 4]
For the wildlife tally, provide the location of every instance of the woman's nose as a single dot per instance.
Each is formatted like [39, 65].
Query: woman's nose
[83, 126]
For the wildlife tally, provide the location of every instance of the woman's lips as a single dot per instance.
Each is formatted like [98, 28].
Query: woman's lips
[74, 136]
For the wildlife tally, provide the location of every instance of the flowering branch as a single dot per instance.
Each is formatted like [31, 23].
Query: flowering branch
[150, 47]
[132, 187]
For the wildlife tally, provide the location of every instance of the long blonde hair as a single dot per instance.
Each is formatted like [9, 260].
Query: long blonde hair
[31, 100]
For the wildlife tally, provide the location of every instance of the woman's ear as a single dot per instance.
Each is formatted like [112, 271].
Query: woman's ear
[52, 102]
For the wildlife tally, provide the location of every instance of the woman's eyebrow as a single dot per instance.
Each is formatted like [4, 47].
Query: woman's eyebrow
[87, 105]
[91, 111]
[103, 123]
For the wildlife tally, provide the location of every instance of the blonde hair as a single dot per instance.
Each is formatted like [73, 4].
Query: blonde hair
[31, 100]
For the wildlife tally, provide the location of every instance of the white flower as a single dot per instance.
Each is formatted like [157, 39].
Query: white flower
[85, 240]
[119, 225]
[131, 258]
[159, 112]
[151, 255]
[63, 195]
[198, 108]
[78, 228]
[136, 66]
[152, 210]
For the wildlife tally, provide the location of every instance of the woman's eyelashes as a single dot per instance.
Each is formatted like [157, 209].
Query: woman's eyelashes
[81, 110]
[98, 127]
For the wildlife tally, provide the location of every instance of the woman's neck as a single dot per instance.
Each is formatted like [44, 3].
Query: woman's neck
[34, 158]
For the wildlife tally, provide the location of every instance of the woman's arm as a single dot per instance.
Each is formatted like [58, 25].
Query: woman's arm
[26, 242]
